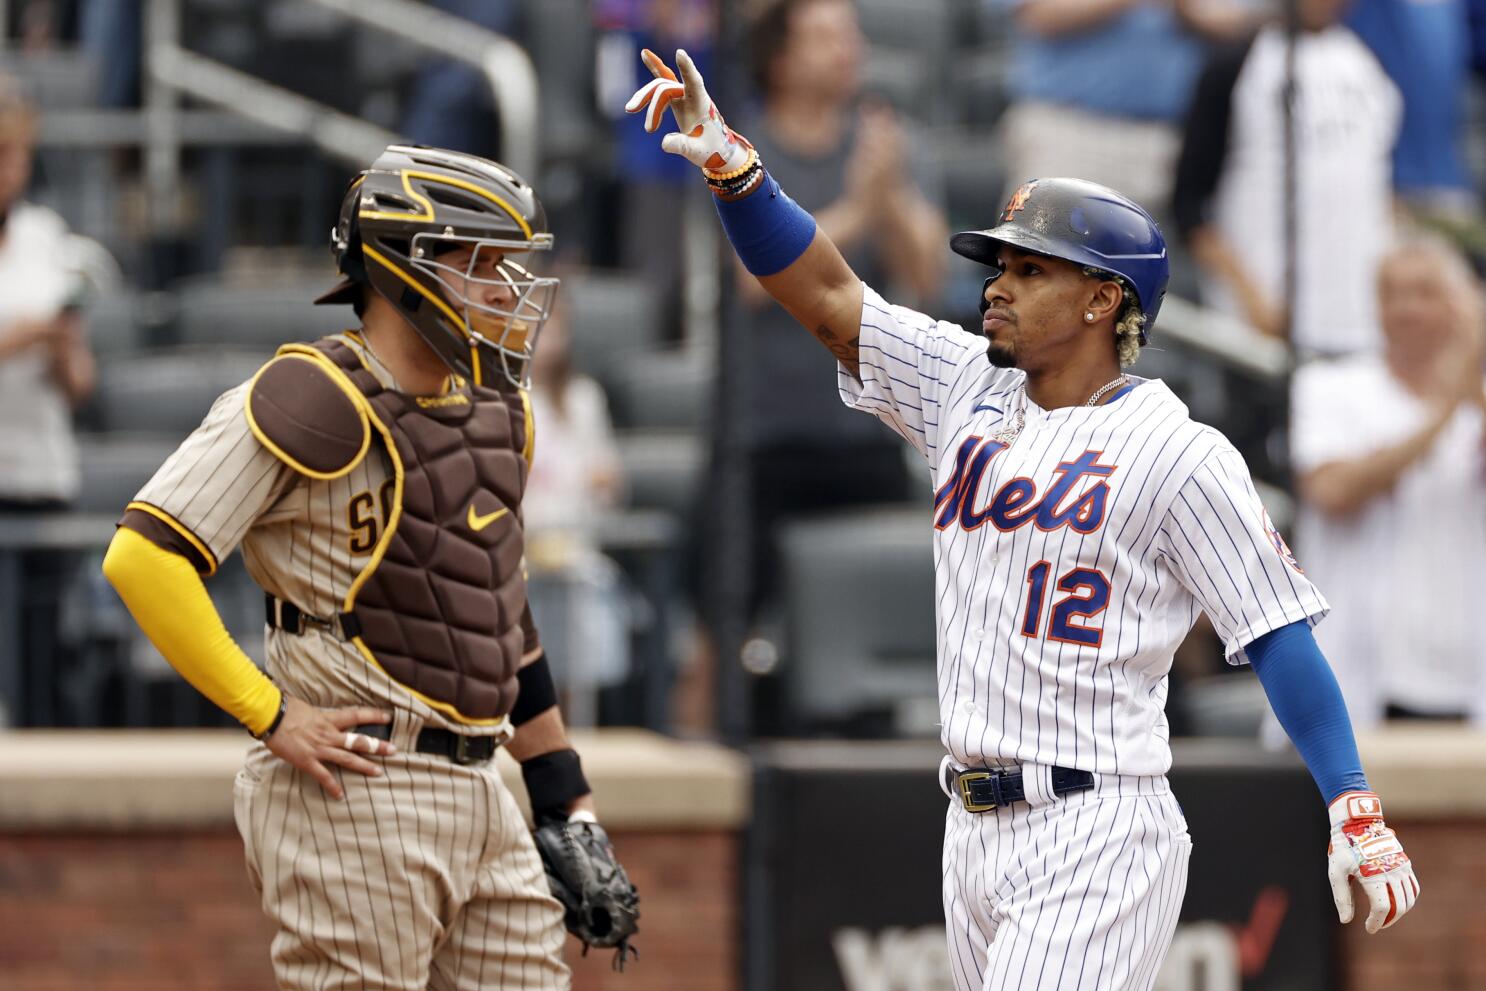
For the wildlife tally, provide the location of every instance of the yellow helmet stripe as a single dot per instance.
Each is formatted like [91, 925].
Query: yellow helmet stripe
[408, 175]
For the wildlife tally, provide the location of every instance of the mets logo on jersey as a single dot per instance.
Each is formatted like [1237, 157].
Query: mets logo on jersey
[1068, 501]
[1281, 548]
[1018, 200]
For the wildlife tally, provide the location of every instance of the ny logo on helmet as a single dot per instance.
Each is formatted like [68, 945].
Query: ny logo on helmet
[1018, 200]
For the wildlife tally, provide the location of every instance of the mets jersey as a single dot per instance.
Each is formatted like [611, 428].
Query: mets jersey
[1072, 559]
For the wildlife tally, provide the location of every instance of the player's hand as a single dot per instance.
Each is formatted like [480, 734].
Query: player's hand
[703, 138]
[1362, 846]
[876, 167]
[310, 737]
[25, 333]
[1269, 319]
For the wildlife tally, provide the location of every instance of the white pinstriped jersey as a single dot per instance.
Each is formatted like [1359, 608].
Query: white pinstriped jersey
[1070, 564]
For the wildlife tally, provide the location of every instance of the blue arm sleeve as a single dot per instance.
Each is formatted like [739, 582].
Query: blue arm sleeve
[1308, 703]
[768, 230]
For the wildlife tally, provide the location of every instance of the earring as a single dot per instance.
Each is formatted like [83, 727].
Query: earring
[1088, 318]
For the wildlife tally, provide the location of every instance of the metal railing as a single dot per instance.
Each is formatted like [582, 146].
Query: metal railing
[172, 71]
[512, 76]
[1224, 338]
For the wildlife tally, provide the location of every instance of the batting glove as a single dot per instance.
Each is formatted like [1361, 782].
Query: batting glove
[704, 138]
[1362, 846]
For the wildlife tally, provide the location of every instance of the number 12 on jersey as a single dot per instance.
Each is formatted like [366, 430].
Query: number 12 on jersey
[1088, 596]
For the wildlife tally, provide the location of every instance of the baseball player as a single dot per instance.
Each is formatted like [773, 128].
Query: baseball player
[1081, 520]
[373, 482]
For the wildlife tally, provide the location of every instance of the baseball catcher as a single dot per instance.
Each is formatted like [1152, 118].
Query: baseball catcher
[373, 480]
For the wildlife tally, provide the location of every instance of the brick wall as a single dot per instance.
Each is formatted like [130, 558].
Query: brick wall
[173, 912]
[161, 912]
[1438, 946]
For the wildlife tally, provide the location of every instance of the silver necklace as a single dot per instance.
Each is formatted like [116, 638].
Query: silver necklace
[1006, 435]
[1105, 389]
[1010, 433]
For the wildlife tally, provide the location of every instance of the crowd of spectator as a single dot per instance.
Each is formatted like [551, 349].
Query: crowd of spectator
[1289, 146]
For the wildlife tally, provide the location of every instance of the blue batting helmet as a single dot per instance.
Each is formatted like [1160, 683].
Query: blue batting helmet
[1083, 222]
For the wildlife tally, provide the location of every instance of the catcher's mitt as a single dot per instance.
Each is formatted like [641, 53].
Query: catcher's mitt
[600, 905]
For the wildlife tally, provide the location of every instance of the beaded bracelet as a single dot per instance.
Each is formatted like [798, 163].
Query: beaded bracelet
[739, 183]
[743, 189]
[748, 163]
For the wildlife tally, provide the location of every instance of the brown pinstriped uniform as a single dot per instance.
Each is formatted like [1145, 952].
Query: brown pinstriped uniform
[423, 878]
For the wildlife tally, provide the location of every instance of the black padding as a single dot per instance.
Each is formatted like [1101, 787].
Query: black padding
[536, 692]
[553, 780]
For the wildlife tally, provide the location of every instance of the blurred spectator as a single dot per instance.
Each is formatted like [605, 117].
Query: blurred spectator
[39, 25]
[1230, 200]
[578, 596]
[578, 473]
[1099, 87]
[1390, 454]
[848, 165]
[1425, 47]
[112, 31]
[654, 186]
[46, 368]
[450, 105]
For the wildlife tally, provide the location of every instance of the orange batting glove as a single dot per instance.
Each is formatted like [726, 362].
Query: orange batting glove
[1362, 846]
[704, 138]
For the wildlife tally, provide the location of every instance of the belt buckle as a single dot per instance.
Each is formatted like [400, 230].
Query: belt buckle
[963, 783]
[461, 749]
[298, 626]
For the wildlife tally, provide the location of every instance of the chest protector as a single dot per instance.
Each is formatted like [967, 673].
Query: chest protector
[439, 605]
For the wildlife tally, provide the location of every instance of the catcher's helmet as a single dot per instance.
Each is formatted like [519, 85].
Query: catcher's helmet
[415, 204]
[1083, 222]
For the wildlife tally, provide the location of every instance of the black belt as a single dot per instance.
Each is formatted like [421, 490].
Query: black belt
[456, 747]
[286, 616]
[982, 790]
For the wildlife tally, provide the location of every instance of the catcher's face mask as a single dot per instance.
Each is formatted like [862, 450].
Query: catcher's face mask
[503, 304]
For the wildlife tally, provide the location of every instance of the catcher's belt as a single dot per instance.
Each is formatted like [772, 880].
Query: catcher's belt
[438, 606]
[460, 748]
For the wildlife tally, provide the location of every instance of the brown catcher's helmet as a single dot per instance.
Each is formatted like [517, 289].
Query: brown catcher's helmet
[415, 204]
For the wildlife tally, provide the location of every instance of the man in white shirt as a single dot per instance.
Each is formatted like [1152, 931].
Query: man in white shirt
[1230, 198]
[1388, 449]
[46, 369]
[45, 365]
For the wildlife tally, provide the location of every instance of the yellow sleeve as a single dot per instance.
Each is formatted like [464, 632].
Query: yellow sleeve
[170, 603]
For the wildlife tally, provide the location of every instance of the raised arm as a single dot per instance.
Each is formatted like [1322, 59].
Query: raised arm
[777, 241]
[820, 290]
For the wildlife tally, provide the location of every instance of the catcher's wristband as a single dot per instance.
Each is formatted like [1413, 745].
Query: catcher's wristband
[277, 719]
[552, 781]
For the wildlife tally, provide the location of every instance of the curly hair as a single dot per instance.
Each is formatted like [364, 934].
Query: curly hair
[1130, 323]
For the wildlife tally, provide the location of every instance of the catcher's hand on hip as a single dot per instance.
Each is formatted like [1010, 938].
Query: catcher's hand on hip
[310, 737]
[600, 905]
[1362, 846]
[704, 138]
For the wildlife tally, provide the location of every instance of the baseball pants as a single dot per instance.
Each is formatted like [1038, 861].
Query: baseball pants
[423, 878]
[1078, 891]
